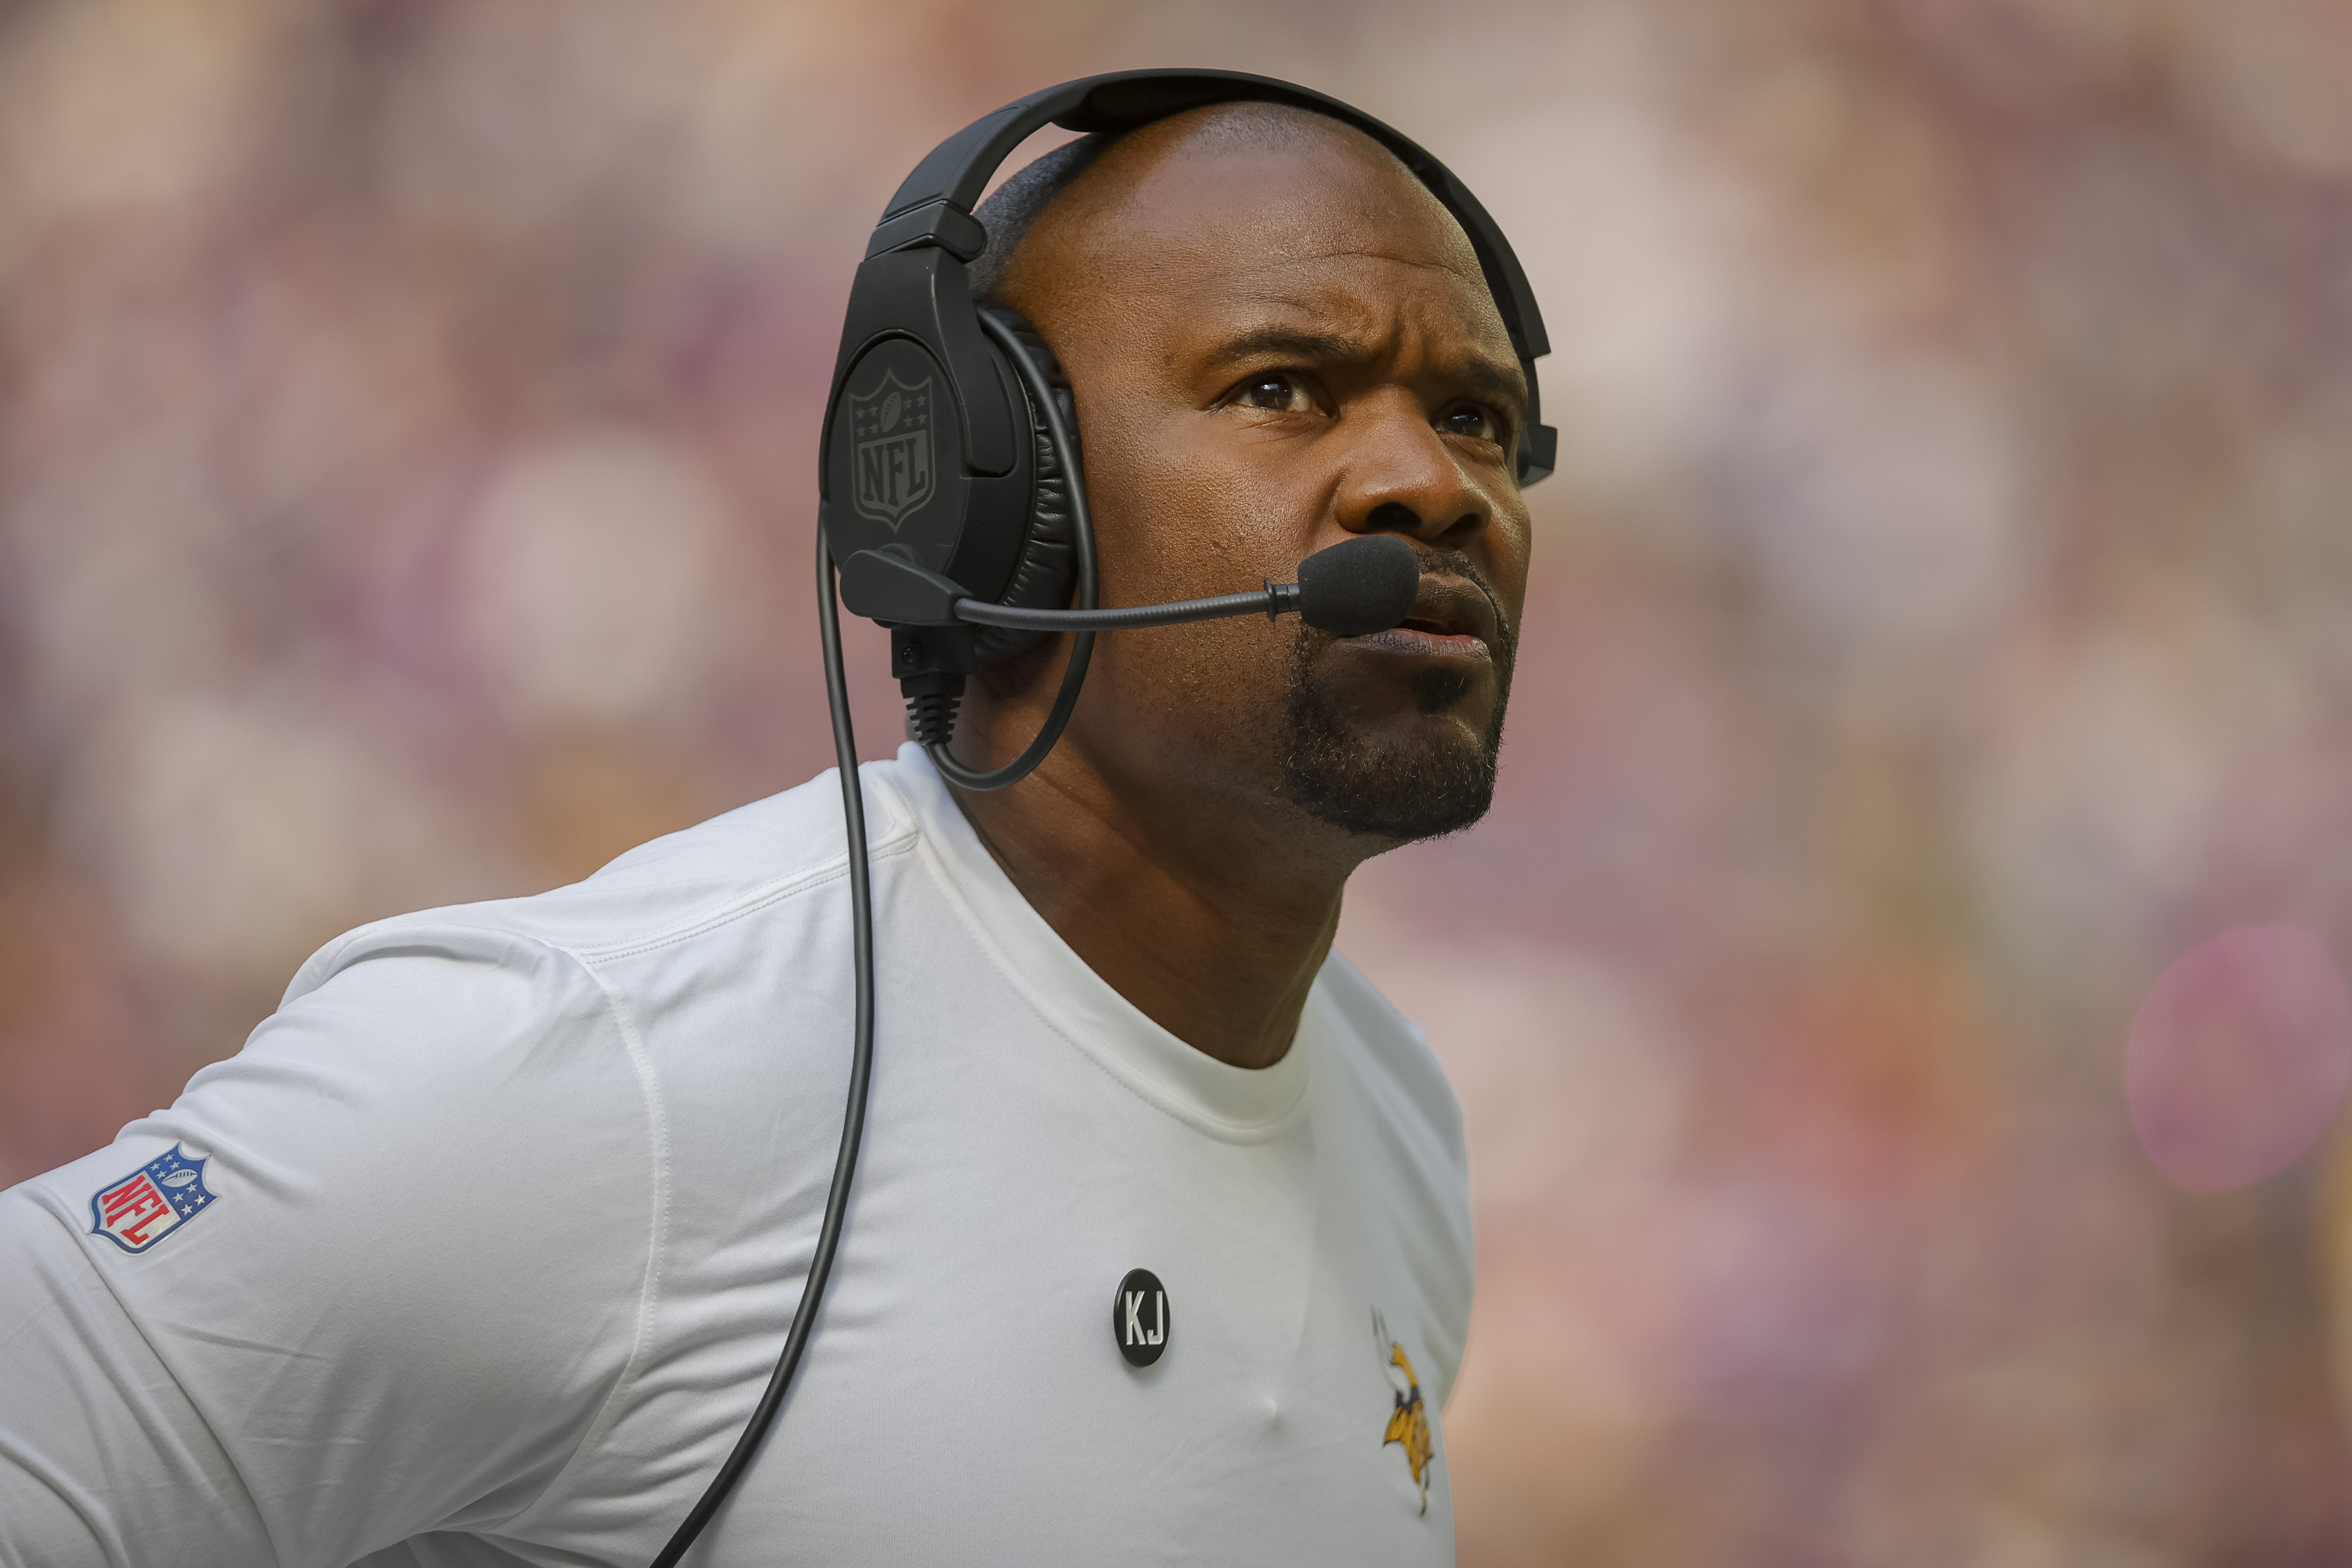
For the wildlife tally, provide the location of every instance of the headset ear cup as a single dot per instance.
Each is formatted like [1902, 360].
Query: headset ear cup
[1047, 568]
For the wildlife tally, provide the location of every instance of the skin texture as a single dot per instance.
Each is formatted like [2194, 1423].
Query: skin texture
[1276, 338]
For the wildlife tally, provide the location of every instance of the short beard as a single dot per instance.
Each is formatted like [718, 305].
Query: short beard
[1339, 776]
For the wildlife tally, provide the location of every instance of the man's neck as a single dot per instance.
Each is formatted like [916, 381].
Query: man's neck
[1214, 929]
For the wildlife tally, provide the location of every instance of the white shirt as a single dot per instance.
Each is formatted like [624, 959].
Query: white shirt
[502, 1216]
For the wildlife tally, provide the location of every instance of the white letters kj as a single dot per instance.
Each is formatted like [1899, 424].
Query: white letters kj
[1135, 1332]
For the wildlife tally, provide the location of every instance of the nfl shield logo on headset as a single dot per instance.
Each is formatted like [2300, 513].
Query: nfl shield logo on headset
[152, 1202]
[893, 423]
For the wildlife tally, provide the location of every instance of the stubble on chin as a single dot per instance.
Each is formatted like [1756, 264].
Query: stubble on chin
[1338, 773]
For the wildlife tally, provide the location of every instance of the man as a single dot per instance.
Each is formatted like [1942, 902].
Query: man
[482, 1248]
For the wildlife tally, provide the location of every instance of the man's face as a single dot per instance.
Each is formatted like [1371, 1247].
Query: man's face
[1278, 339]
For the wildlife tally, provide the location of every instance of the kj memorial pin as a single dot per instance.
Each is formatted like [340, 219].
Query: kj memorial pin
[1139, 1318]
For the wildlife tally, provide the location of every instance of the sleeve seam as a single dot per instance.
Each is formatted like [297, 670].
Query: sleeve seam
[617, 1009]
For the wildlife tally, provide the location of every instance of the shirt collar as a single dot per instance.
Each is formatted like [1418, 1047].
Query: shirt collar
[1235, 1103]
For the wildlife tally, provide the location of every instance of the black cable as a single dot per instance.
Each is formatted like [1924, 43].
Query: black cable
[861, 903]
[861, 1074]
[1082, 532]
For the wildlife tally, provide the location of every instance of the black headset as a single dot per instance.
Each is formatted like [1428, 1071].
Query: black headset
[953, 509]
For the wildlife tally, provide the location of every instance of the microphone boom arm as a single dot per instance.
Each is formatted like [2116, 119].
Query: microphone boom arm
[1364, 585]
[1275, 599]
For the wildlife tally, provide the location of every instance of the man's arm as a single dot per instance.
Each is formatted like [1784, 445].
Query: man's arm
[428, 1198]
[99, 1447]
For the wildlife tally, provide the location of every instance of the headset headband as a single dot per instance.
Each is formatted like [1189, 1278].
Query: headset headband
[934, 206]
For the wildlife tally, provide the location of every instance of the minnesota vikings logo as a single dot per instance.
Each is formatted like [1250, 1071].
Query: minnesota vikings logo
[1408, 1422]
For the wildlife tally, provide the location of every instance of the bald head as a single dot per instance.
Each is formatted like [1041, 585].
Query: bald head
[1084, 183]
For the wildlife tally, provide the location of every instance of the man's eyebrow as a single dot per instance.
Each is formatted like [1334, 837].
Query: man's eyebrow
[1481, 375]
[1328, 348]
[1486, 376]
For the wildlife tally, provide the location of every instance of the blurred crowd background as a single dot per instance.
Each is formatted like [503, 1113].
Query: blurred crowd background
[1939, 626]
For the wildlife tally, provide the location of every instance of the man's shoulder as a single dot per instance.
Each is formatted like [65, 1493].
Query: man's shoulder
[1393, 1055]
[665, 890]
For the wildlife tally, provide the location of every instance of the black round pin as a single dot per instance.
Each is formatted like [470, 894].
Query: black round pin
[1139, 1317]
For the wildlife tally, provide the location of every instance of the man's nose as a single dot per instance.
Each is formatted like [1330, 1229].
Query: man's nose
[1401, 479]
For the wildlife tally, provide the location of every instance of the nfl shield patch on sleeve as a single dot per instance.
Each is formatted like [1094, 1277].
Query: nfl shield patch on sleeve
[152, 1202]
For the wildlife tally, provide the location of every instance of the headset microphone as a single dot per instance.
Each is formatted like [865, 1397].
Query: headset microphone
[953, 509]
[1359, 586]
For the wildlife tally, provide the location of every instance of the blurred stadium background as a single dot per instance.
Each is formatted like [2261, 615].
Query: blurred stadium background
[406, 414]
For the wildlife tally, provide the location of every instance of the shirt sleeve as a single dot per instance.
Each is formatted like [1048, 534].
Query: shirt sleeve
[408, 1272]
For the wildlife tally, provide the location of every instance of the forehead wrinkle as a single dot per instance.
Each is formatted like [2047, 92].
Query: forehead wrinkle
[1303, 238]
[1218, 258]
[1345, 253]
[1391, 318]
[1277, 283]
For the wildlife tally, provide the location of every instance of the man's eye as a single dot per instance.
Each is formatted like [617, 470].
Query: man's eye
[1468, 419]
[1275, 394]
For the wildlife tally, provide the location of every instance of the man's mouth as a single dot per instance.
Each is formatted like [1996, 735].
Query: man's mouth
[1425, 642]
[1451, 619]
